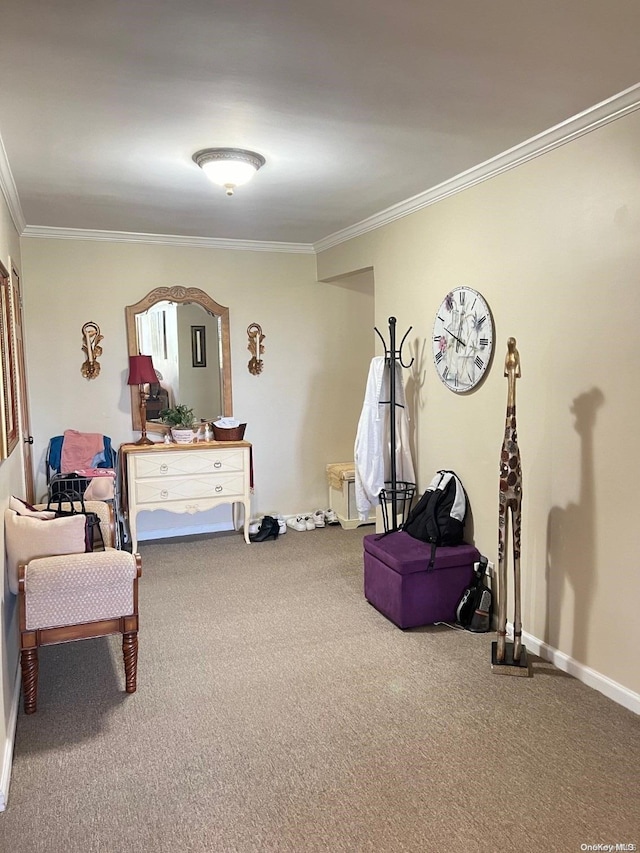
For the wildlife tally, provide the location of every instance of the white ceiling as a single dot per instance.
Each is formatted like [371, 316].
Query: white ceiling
[356, 106]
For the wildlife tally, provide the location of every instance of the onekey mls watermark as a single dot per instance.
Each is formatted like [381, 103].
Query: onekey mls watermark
[610, 848]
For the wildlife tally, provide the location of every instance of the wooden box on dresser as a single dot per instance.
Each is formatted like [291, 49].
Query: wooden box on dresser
[185, 478]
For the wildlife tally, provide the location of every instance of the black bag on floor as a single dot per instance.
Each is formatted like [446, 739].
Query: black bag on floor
[93, 539]
[476, 605]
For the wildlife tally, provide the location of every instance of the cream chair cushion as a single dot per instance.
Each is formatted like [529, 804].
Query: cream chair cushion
[77, 588]
[28, 537]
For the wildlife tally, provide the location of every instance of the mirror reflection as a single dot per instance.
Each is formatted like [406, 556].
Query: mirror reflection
[186, 333]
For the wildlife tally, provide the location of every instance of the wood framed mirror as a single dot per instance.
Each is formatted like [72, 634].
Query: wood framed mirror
[186, 333]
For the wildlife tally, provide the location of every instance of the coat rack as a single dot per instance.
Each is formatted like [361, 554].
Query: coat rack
[399, 493]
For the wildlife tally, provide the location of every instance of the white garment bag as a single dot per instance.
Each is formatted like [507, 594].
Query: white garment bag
[372, 451]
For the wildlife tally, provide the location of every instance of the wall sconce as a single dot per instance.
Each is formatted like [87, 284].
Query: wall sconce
[91, 337]
[229, 167]
[141, 373]
[254, 331]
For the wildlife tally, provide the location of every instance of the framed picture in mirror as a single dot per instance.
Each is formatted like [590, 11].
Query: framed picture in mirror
[198, 346]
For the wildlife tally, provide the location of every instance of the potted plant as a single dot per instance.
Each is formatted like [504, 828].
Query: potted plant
[179, 419]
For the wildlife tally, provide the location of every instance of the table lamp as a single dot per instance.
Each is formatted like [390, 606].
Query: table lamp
[141, 372]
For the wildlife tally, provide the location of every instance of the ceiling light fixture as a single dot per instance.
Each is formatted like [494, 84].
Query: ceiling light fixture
[229, 167]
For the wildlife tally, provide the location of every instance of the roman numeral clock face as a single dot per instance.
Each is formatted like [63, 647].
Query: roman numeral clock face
[462, 339]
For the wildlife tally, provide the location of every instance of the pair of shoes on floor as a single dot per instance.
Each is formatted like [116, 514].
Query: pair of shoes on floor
[301, 522]
[269, 529]
[322, 517]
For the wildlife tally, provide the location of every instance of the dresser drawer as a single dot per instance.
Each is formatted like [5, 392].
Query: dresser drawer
[170, 489]
[194, 462]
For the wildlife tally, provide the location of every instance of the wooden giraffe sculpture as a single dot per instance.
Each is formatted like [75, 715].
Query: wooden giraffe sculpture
[510, 502]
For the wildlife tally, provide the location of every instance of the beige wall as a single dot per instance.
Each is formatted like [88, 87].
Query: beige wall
[553, 246]
[11, 481]
[302, 410]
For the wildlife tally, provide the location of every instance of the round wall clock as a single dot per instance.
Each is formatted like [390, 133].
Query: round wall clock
[462, 339]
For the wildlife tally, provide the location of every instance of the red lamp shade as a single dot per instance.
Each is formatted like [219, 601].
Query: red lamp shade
[141, 370]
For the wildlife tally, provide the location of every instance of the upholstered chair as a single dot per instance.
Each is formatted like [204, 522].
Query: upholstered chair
[66, 594]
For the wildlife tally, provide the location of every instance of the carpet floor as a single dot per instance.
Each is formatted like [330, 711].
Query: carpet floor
[278, 711]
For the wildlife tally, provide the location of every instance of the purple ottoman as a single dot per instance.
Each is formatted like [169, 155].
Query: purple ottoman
[397, 583]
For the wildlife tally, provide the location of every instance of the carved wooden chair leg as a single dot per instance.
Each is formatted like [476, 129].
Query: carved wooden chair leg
[130, 653]
[29, 664]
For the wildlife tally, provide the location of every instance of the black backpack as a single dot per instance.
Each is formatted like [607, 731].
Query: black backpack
[439, 515]
[476, 605]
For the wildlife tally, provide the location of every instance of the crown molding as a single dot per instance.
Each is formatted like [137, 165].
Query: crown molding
[591, 119]
[585, 122]
[9, 191]
[44, 231]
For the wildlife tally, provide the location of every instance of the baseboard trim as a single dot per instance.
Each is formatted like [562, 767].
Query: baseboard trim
[611, 689]
[7, 757]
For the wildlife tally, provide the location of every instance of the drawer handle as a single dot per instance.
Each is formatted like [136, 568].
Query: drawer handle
[217, 464]
[164, 468]
[219, 488]
[164, 494]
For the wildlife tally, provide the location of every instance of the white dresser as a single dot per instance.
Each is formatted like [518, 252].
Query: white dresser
[185, 478]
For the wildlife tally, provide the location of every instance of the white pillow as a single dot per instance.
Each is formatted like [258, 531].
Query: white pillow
[23, 508]
[26, 538]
